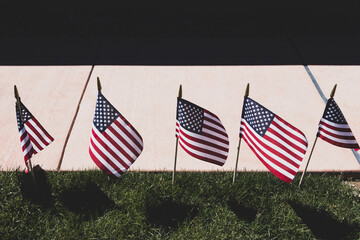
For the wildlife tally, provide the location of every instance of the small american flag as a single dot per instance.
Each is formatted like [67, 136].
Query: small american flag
[114, 143]
[279, 146]
[334, 129]
[33, 136]
[200, 133]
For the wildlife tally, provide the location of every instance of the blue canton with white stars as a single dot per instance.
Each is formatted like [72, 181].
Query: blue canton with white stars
[333, 113]
[257, 116]
[190, 116]
[105, 113]
[26, 115]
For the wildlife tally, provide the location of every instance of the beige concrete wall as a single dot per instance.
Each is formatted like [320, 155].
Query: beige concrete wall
[146, 96]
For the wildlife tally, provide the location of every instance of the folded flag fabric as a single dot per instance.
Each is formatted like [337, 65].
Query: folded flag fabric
[114, 144]
[33, 136]
[334, 128]
[279, 146]
[201, 133]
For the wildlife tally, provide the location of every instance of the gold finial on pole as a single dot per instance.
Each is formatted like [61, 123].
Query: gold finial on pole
[332, 94]
[98, 84]
[247, 90]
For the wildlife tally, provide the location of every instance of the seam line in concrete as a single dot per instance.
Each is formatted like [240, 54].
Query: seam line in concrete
[74, 118]
[79, 103]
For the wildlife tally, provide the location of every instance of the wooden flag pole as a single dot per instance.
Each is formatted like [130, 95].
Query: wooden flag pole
[332, 94]
[21, 120]
[177, 143]
[238, 148]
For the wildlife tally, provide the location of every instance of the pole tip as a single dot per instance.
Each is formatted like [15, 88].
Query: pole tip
[180, 91]
[98, 84]
[247, 90]
[332, 94]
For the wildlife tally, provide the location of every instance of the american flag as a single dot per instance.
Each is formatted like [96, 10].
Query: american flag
[33, 136]
[200, 133]
[334, 129]
[280, 146]
[114, 143]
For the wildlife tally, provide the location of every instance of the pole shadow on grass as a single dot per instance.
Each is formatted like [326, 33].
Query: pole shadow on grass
[86, 200]
[38, 192]
[245, 213]
[323, 225]
[169, 213]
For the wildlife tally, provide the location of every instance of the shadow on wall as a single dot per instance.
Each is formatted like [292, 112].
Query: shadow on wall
[143, 32]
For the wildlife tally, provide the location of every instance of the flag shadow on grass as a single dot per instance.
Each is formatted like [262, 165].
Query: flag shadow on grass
[323, 225]
[39, 192]
[169, 213]
[245, 213]
[86, 200]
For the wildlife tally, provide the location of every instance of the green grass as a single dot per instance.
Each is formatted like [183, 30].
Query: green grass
[89, 205]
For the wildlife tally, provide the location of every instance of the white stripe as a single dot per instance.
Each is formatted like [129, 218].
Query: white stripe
[221, 144]
[40, 131]
[335, 124]
[272, 145]
[27, 150]
[289, 129]
[130, 130]
[112, 147]
[272, 155]
[207, 147]
[212, 117]
[222, 129]
[277, 168]
[127, 139]
[338, 139]
[123, 146]
[108, 155]
[33, 135]
[103, 162]
[215, 134]
[350, 134]
[293, 150]
[284, 134]
[202, 154]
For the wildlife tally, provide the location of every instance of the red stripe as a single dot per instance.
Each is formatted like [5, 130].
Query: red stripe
[208, 135]
[132, 128]
[217, 123]
[336, 128]
[204, 142]
[43, 129]
[110, 151]
[34, 142]
[129, 145]
[344, 145]
[272, 150]
[102, 154]
[203, 150]
[38, 134]
[335, 135]
[214, 130]
[283, 148]
[118, 124]
[300, 140]
[201, 157]
[293, 137]
[272, 170]
[100, 165]
[120, 149]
